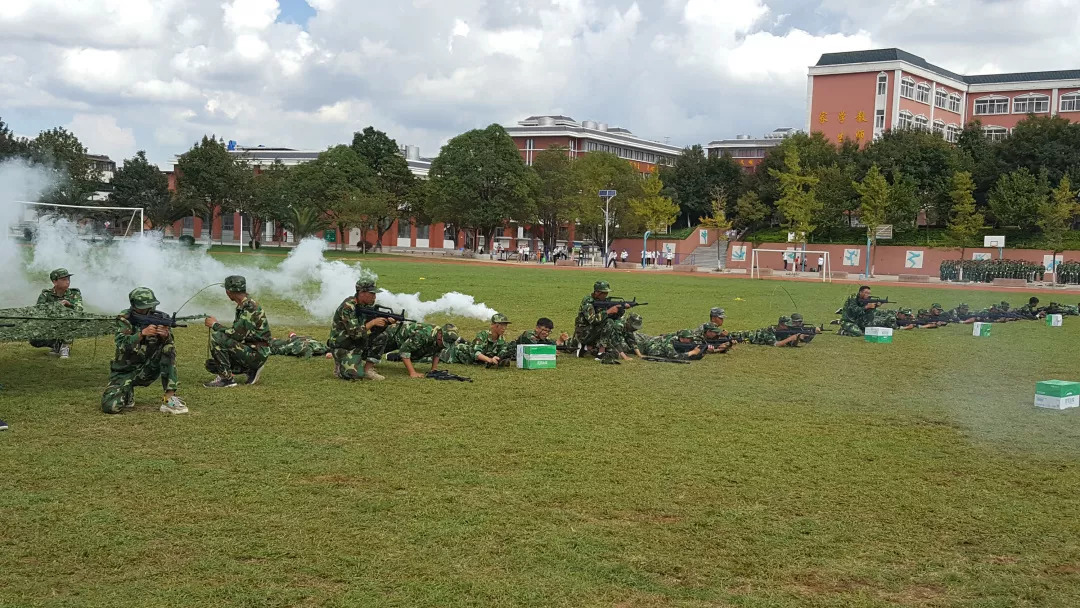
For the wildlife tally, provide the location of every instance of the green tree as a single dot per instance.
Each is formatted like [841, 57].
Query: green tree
[1056, 213]
[750, 212]
[1016, 197]
[718, 221]
[556, 192]
[271, 196]
[874, 206]
[303, 222]
[1040, 143]
[138, 183]
[656, 212]
[797, 203]
[838, 196]
[815, 151]
[336, 184]
[605, 171]
[61, 152]
[691, 179]
[927, 159]
[208, 179]
[479, 181]
[966, 223]
[395, 193]
[11, 146]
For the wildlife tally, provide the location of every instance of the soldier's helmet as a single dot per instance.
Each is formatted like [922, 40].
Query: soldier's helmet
[450, 334]
[142, 297]
[365, 286]
[684, 333]
[235, 283]
[634, 321]
[601, 286]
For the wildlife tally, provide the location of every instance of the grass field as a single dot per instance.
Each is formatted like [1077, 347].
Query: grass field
[837, 474]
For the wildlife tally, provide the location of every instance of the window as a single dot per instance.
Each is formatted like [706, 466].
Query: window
[907, 88]
[954, 102]
[922, 123]
[941, 98]
[939, 127]
[952, 133]
[992, 105]
[1070, 102]
[403, 229]
[423, 232]
[879, 119]
[906, 121]
[189, 222]
[1031, 103]
[995, 133]
[882, 83]
[923, 93]
[227, 220]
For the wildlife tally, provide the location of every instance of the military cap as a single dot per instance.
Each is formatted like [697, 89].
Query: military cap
[796, 317]
[59, 273]
[450, 333]
[936, 306]
[1004, 305]
[962, 305]
[142, 297]
[235, 283]
[499, 318]
[711, 327]
[634, 321]
[718, 312]
[685, 333]
[601, 286]
[784, 320]
[904, 311]
[923, 312]
[365, 286]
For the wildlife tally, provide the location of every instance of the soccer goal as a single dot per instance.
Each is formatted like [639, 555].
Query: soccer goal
[90, 221]
[825, 270]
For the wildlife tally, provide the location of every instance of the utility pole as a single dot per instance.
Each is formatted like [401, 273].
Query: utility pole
[607, 195]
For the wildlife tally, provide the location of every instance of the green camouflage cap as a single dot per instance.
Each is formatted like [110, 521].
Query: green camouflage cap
[601, 286]
[365, 286]
[718, 312]
[1004, 305]
[499, 318]
[785, 320]
[923, 312]
[142, 297]
[634, 321]
[796, 317]
[904, 311]
[711, 327]
[963, 305]
[450, 333]
[936, 306]
[684, 333]
[59, 273]
[235, 283]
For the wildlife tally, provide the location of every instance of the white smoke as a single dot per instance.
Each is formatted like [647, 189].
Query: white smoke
[18, 182]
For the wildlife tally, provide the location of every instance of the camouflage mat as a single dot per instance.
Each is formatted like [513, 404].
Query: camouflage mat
[53, 322]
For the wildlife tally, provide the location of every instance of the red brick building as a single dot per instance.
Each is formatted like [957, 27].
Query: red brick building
[859, 95]
[538, 133]
[748, 152]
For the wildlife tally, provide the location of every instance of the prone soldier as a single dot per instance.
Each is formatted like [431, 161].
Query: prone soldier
[420, 342]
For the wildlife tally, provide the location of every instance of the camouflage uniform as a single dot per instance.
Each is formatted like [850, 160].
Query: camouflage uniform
[49, 298]
[529, 337]
[664, 346]
[139, 360]
[593, 326]
[350, 341]
[298, 346]
[1063, 309]
[458, 351]
[419, 341]
[244, 347]
[489, 346]
[853, 317]
[629, 336]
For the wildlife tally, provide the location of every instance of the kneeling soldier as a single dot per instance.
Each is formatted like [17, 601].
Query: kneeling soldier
[143, 355]
[242, 348]
[357, 337]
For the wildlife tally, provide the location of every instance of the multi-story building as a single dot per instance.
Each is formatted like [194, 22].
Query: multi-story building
[538, 133]
[859, 95]
[748, 151]
[105, 169]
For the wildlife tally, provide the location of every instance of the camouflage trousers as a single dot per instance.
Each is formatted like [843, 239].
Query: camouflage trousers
[349, 364]
[457, 353]
[298, 346]
[123, 378]
[847, 328]
[606, 334]
[229, 357]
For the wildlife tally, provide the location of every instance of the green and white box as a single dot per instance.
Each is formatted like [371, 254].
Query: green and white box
[881, 335]
[1057, 394]
[536, 356]
[1053, 320]
[981, 330]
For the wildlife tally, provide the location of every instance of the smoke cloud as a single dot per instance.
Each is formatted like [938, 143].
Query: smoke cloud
[106, 273]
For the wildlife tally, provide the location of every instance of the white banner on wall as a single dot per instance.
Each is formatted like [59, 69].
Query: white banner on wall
[1050, 262]
[980, 256]
[851, 257]
[914, 259]
[738, 253]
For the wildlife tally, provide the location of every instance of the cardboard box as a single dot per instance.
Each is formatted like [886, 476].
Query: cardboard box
[880, 335]
[981, 330]
[536, 356]
[1057, 388]
[1057, 403]
[1053, 320]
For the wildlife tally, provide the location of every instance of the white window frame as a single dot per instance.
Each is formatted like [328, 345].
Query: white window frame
[882, 83]
[905, 121]
[952, 133]
[939, 127]
[941, 99]
[955, 101]
[922, 93]
[1030, 100]
[907, 84]
[1070, 99]
[879, 119]
[921, 122]
[995, 133]
[990, 100]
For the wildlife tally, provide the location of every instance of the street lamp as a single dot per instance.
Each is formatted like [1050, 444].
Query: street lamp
[607, 195]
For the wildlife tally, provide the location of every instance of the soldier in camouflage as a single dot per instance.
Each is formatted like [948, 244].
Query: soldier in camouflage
[63, 294]
[357, 338]
[856, 315]
[298, 346]
[766, 336]
[1031, 309]
[541, 335]
[143, 355]
[665, 346]
[489, 347]
[716, 326]
[419, 342]
[1063, 309]
[595, 328]
[962, 314]
[630, 339]
[242, 348]
[716, 317]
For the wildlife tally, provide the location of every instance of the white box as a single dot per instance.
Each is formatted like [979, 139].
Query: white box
[878, 331]
[981, 330]
[1057, 403]
[1053, 320]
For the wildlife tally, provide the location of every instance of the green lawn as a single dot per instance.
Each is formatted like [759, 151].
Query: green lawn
[837, 474]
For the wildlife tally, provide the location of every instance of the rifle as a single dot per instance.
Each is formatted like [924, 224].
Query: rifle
[663, 360]
[807, 333]
[7, 325]
[722, 340]
[156, 317]
[620, 302]
[885, 300]
[382, 312]
[442, 374]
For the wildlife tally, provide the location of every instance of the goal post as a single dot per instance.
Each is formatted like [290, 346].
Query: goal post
[129, 229]
[826, 260]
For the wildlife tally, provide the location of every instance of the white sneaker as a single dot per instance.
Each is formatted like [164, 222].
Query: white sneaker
[65, 351]
[371, 374]
[173, 405]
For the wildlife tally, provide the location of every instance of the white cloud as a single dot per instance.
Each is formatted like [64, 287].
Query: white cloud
[100, 134]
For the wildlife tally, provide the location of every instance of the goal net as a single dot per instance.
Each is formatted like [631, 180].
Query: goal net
[88, 222]
[799, 262]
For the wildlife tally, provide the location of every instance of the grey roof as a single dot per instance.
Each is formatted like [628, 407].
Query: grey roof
[894, 54]
[560, 117]
[619, 130]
